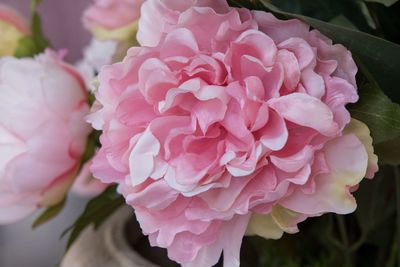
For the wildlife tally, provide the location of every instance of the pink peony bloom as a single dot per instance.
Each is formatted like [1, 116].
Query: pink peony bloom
[113, 19]
[229, 122]
[12, 28]
[42, 132]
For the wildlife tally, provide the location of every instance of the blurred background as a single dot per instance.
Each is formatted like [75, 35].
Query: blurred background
[19, 245]
[61, 21]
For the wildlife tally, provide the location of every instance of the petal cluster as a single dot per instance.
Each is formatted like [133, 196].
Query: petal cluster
[228, 122]
[43, 103]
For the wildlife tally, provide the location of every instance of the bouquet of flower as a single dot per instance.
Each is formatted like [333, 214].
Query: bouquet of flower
[216, 121]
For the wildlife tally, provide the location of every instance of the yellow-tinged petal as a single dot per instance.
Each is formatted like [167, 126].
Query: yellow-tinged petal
[9, 37]
[362, 132]
[286, 219]
[58, 190]
[265, 226]
[347, 160]
[125, 33]
[274, 224]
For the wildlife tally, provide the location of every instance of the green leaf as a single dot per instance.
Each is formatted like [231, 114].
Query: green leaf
[49, 214]
[375, 109]
[292, 6]
[375, 202]
[387, 20]
[37, 34]
[26, 47]
[380, 55]
[342, 21]
[384, 2]
[380, 114]
[242, 3]
[96, 212]
[326, 10]
[37, 42]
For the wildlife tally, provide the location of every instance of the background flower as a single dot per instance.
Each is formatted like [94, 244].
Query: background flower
[113, 24]
[42, 132]
[12, 28]
[113, 19]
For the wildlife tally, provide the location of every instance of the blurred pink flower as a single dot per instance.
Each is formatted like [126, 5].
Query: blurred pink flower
[11, 16]
[43, 103]
[113, 19]
[228, 122]
[12, 28]
[113, 24]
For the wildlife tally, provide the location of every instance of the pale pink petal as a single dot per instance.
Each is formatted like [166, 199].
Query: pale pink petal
[274, 134]
[280, 30]
[307, 111]
[141, 160]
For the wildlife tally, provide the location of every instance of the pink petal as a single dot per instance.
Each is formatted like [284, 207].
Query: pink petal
[307, 111]
[275, 134]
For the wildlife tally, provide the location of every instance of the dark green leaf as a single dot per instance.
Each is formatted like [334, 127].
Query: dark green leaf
[387, 20]
[375, 202]
[26, 47]
[242, 3]
[375, 109]
[342, 21]
[388, 152]
[381, 56]
[96, 212]
[292, 6]
[326, 10]
[384, 2]
[49, 214]
[380, 114]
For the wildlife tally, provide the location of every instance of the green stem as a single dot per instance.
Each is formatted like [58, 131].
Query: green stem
[360, 241]
[345, 240]
[397, 177]
[392, 257]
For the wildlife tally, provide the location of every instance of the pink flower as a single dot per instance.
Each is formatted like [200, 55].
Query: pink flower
[229, 122]
[12, 28]
[42, 132]
[113, 19]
